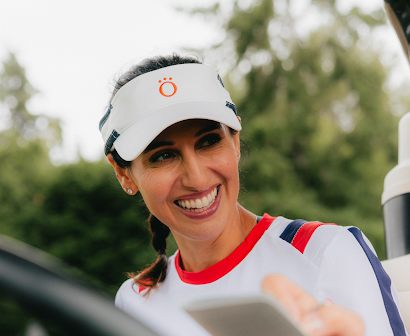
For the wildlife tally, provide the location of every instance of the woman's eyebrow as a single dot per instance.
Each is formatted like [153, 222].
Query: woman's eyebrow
[208, 129]
[155, 145]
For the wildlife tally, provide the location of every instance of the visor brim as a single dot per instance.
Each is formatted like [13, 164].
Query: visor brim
[133, 141]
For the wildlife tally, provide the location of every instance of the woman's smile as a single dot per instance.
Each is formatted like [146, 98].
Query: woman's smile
[198, 202]
[199, 207]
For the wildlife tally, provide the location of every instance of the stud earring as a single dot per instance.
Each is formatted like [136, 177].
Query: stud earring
[128, 190]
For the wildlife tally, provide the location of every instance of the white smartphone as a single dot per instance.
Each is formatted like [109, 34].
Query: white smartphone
[243, 316]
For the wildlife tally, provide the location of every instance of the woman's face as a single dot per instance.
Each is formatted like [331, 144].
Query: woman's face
[188, 178]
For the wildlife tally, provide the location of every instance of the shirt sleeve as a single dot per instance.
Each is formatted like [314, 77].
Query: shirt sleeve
[351, 275]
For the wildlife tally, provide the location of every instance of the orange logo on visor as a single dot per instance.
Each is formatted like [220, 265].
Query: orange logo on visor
[169, 89]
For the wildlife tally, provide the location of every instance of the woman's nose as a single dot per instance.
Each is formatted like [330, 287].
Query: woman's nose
[195, 174]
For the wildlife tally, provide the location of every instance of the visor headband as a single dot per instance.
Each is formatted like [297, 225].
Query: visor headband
[153, 101]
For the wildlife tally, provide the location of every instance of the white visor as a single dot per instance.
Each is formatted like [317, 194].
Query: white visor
[150, 103]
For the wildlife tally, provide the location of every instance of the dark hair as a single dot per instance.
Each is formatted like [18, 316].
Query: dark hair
[156, 272]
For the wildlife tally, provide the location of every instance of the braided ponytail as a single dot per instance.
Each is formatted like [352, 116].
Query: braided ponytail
[156, 272]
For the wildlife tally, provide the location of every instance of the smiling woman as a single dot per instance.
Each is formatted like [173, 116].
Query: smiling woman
[171, 133]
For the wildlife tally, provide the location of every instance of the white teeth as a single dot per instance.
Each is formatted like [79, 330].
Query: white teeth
[204, 201]
[197, 205]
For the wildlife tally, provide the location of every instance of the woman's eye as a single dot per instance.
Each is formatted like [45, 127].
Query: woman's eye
[210, 140]
[161, 157]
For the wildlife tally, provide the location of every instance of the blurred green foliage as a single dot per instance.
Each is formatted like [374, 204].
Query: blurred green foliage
[76, 212]
[314, 113]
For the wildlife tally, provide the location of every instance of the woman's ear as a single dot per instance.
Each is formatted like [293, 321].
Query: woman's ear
[124, 177]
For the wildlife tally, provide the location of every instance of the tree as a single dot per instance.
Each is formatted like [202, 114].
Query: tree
[76, 212]
[25, 140]
[15, 92]
[87, 220]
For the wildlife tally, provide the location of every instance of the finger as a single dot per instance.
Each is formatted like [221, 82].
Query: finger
[332, 320]
[295, 300]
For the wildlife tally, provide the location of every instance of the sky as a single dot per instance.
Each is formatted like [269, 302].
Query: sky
[72, 50]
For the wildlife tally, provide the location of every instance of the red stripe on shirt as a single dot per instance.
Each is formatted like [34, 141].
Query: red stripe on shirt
[141, 288]
[223, 267]
[304, 234]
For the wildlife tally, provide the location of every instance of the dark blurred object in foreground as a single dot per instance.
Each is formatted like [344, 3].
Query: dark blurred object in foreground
[44, 287]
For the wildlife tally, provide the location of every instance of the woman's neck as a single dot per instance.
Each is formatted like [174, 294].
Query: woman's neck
[197, 255]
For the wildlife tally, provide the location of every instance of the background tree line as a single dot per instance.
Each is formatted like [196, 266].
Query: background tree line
[315, 111]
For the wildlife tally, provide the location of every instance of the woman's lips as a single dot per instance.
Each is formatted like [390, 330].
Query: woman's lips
[198, 203]
[198, 194]
[199, 210]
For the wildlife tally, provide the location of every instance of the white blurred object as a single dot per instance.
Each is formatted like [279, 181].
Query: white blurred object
[397, 181]
[396, 197]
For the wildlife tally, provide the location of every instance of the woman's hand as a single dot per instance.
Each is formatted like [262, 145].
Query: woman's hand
[315, 319]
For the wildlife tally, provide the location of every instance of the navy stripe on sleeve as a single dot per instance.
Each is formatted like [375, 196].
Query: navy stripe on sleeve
[289, 233]
[384, 281]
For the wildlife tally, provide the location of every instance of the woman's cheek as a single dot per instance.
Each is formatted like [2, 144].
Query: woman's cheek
[228, 167]
[157, 187]
[153, 185]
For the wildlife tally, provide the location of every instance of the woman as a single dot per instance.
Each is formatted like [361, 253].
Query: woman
[172, 134]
